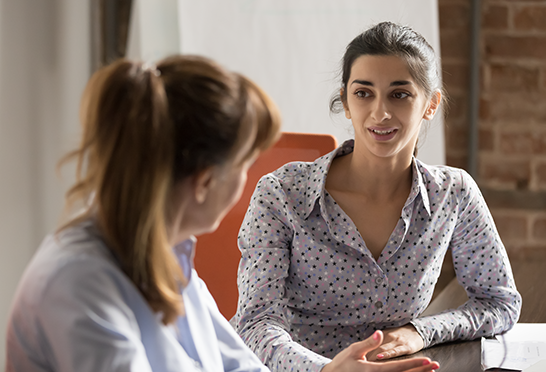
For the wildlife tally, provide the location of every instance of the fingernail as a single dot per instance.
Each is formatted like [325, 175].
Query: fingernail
[380, 356]
[376, 335]
[426, 362]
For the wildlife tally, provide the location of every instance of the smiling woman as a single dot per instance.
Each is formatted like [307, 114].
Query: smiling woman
[386, 106]
[354, 242]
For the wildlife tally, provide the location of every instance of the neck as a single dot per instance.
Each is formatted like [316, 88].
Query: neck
[177, 215]
[376, 177]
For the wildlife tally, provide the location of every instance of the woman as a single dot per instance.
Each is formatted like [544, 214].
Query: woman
[164, 155]
[354, 242]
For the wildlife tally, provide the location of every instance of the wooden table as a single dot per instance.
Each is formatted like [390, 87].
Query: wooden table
[465, 356]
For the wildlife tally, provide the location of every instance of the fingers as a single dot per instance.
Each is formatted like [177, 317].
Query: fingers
[389, 351]
[410, 365]
[359, 349]
[397, 342]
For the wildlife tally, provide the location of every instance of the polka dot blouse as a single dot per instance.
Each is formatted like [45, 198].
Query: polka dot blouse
[309, 287]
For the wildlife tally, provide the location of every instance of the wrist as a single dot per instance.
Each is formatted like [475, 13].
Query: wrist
[327, 367]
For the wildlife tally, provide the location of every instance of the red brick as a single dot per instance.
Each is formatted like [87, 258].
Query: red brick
[539, 228]
[510, 76]
[540, 173]
[528, 142]
[486, 140]
[506, 171]
[516, 47]
[455, 44]
[453, 16]
[456, 77]
[527, 251]
[530, 18]
[519, 2]
[516, 107]
[485, 109]
[457, 138]
[510, 227]
[456, 160]
[495, 17]
[457, 106]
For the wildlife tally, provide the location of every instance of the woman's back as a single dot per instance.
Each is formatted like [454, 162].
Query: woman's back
[75, 310]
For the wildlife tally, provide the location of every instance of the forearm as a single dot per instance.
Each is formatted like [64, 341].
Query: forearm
[476, 318]
[275, 348]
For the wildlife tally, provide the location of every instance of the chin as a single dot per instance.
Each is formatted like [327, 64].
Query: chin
[210, 229]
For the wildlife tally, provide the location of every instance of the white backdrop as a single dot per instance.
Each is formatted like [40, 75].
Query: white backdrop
[292, 48]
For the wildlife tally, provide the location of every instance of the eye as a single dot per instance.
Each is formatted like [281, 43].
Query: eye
[362, 94]
[400, 95]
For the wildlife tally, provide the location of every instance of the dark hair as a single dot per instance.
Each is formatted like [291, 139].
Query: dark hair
[390, 39]
[144, 129]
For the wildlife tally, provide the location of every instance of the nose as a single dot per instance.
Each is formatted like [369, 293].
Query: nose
[380, 110]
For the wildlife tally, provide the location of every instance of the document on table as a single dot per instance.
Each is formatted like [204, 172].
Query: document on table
[520, 348]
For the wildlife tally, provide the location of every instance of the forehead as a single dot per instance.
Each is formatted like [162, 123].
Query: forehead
[379, 69]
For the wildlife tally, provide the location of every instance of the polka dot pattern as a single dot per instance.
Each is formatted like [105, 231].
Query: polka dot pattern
[309, 287]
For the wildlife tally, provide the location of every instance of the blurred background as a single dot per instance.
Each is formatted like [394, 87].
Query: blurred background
[494, 68]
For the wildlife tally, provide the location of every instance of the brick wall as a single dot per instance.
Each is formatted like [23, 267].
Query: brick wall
[512, 123]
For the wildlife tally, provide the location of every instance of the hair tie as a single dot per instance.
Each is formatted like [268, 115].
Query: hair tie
[151, 67]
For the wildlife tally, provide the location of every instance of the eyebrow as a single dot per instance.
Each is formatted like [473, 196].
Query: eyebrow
[393, 84]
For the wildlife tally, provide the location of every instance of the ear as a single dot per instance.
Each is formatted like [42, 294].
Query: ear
[202, 183]
[433, 105]
[344, 103]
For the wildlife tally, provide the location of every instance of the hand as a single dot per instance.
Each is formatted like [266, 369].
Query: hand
[353, 358]
[398, 341]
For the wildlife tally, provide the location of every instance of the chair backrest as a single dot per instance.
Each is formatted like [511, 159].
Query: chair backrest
[217, 257]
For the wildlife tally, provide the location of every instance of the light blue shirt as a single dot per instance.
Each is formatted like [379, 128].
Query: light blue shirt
[75, 310]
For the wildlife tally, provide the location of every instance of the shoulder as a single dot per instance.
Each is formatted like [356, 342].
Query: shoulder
[71, 288]
[73, 265]
[292, 171]
[299, 173]
[446, 179]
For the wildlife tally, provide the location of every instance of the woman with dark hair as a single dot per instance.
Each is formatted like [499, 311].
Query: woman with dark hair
[354, 242]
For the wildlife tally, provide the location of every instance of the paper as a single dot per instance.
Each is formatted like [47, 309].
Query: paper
[518, 349]
[538, 367]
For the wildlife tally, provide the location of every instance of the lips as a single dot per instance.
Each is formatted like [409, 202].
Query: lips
[383, 134]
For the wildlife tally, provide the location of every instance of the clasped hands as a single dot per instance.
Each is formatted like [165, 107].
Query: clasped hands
[362, 356]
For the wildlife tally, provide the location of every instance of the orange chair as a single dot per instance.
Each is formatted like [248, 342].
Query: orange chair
[217, 257]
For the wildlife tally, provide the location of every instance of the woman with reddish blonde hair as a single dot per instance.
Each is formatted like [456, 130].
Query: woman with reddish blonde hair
[164, 155]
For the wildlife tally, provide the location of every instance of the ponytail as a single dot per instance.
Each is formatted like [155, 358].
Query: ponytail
[144, 130]
[127, 150]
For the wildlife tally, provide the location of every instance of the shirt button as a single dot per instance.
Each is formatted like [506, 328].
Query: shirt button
[379, 304]
[378, 280]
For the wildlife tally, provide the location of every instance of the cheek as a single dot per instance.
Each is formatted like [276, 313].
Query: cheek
[235, 189]
[412, 115]
[240, 186]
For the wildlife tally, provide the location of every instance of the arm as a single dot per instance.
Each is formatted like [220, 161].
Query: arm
[264, 268]
[483, 269]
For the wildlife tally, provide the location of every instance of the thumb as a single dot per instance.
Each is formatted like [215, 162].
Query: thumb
[360, 349]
